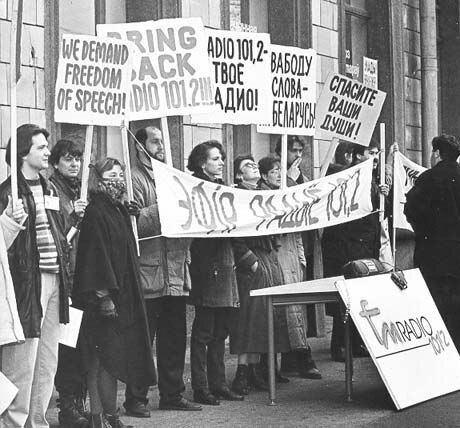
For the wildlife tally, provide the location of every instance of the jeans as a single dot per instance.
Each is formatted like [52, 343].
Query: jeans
[209, 331]
[166, 318]
[31, 366]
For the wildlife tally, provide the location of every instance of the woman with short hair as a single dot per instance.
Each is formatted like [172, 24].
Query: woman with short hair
[214, 292]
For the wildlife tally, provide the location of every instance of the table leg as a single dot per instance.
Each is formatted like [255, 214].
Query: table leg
[348, 362]
[271, 352]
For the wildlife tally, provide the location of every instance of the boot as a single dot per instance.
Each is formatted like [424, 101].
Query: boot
[97, 420]
[69, 416]
[264, 370]
[306, 365]
[255, 379]
[240, 383]
[80, 404]
[115, 422]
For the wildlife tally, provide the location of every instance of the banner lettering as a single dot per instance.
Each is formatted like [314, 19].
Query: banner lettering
[191, 207]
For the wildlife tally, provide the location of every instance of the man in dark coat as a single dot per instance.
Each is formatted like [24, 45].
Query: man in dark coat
[358, 239]
[39, 266]
[65, 158]
[433, 210]
[165, 280]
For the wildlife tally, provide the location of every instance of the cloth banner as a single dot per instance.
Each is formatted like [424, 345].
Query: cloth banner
[348, 110]
[190, 207]
[93, 79]
[171, 73]
[405, 174]
[293, 91]
[240, 64]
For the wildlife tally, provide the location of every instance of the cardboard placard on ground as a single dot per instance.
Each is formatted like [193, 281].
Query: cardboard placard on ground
[293, 91]
[348, 110]
[93, 79]
[405, 174]
[241, 74]
[171, 73]
[191, 207]
[405, 336]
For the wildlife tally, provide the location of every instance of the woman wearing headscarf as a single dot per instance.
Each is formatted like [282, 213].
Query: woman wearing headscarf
[114, 334]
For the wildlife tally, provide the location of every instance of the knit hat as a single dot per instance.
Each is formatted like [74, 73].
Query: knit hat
[24, 136]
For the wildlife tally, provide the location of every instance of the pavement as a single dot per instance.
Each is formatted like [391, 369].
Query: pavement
[304, 403]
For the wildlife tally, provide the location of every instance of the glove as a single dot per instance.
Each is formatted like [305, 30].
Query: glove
[133, 208]
[107, 308]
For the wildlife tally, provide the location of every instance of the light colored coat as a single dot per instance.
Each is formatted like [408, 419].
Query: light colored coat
[10, 325]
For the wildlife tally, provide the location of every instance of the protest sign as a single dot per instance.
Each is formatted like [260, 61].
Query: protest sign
[241, 74]
[191, 207]
[70, 331]
[370, 72]
[8, 392]
[348, 110]
[92, 85]
[293, 91]
[405, 174]
[171, 73]
[405, 336]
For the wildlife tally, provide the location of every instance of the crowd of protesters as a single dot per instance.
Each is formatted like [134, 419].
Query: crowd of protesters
[63, 250]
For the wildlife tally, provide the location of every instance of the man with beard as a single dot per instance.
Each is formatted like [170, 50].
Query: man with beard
[65, 158]
[164, 273]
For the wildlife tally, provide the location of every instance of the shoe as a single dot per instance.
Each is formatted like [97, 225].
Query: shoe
[98, 420]
[225, 393]
[306, 365]
[179, 404]
[137, 410]
[255, 379]
[240, 383]
[264, 370]
[361, 352]
[69, 416]
[115, 421]
[204, 396]
[338, 354]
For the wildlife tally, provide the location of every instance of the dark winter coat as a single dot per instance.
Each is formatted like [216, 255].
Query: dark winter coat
[68, 192]
[107, 260]
[164, 261]
[249, 330]
[213, 271]
[433, 210]
[24, 258]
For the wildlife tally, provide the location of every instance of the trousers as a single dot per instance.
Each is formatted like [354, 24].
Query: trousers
[31, 366]
[210, 329]
[167, 323]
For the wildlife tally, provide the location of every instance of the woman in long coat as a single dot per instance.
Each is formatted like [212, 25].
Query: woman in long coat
[292, 261]
[257, 267]
[214, 292]
[114, 334]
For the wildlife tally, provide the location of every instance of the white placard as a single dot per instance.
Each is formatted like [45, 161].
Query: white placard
[348, 110]
[192, 207]
[240, 64]
[370, 72]
[292, 90]
[171, 73]
[8, 391]
[93, 80]
[69, 332]
[405, 174]
[405, 336]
